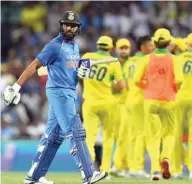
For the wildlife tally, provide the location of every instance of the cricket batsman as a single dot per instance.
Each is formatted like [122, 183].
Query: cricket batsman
[159, 102]
[184, 103]
[99, 100]
[135, 108]
[61, 56]
[120, 161]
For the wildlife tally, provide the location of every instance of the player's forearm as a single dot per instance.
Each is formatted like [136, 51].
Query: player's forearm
[29, 72]
[178, 86]
[141, 82]
[122, 85]
[117, 87]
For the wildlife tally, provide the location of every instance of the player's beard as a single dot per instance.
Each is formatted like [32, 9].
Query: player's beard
[69, 34]
[124, 56]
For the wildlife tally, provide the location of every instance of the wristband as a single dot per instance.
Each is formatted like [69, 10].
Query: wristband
[16, 87]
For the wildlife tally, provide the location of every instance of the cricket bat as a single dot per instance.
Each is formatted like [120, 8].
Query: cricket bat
[104, 61]
[43, 70]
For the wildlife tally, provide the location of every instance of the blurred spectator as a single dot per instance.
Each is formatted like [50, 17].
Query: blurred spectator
[140, 20]
[53, 18]
[125, 22]
[33, 16]
[158, 13]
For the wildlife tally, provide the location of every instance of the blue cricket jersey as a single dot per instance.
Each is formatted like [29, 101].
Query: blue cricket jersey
[61, 58]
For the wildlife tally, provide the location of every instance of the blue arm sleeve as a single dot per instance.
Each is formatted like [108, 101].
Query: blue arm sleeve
[48, 54]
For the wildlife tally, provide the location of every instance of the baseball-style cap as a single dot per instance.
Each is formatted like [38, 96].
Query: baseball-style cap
[180, 42]
[123, 42]
[105, 41]
[189, 39]
[162, 34]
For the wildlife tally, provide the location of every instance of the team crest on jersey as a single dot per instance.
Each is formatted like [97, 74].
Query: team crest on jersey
[71, 16]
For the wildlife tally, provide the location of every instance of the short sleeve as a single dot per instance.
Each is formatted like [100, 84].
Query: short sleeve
[141, 69]
[48, 54]
[85, 56]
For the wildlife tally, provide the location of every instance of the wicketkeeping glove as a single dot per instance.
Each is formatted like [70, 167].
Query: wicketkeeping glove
[11, 94]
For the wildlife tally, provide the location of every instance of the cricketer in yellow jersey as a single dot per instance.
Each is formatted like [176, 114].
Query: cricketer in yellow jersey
[99, 100]
[181, 155]
[135, 109]
[120, 159]
[184, 99]
[159, 103]
[176, 47]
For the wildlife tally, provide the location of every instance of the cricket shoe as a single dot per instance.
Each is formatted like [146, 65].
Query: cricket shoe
[190, 176]
[86, 180]
[165, 169]
[127, 174]
[177, 176]
[42, 180]
[118, 173]
[140, 174]
[97, 176]
[156, 176]
[114, 172]
[124, 173]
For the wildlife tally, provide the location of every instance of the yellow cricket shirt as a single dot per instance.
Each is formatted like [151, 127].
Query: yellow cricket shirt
[184, 75]
[134, 64]
[98, 85]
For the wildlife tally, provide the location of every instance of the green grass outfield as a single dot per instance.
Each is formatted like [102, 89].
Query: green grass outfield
[73, 178]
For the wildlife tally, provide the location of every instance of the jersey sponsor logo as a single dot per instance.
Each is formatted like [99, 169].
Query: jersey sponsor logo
[73, 57]
[72, 64]
[72, 61]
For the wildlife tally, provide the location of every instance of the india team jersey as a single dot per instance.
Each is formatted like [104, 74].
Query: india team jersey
[133, 65]
[98, 85]
[61, 58]
[184, 75]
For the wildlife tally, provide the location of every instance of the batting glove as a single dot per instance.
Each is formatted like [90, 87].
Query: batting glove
[83, 72]
[11, 94]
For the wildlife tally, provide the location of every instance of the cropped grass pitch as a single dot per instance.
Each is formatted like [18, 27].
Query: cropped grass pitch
[74, 178]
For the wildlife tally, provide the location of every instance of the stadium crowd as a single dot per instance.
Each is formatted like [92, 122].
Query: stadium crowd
[27, 26]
